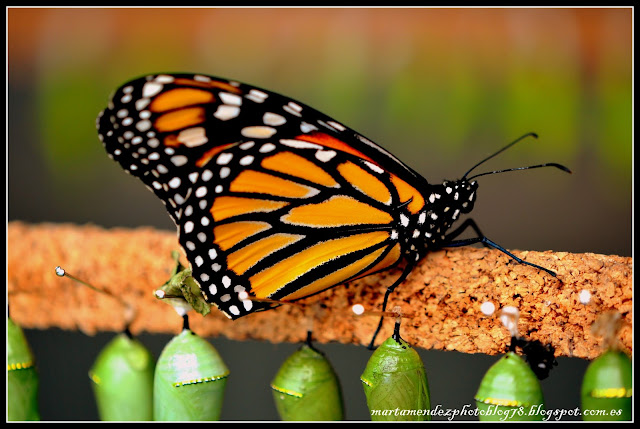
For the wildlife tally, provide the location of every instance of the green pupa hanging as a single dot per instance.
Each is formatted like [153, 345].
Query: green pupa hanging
[122, 379]
[510, 389]
[122, 374]
[190, 377]
[22, 377]
[395, 382]
[306, 387]
[606, 393]
[190, 380]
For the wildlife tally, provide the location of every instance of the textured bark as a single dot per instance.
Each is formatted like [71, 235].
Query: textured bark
[444, 293]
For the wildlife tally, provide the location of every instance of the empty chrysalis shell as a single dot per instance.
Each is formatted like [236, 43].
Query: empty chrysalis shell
[606, 388]
[395, 383]
[306, 388]
[22, 377]
[122, 377]
[510, 391]
[190, 380]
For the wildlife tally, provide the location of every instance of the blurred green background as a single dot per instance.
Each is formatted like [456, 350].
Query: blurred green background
[440, 88]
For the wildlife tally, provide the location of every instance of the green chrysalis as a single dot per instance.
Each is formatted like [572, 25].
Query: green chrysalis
[606, 388]
[607, 384]
[306, 387]
[122, 377]
[22, 377]
[395, 382]
[189, 381]
[510, 391]
[122, 374]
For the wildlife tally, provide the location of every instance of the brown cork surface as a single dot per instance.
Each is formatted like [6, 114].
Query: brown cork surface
[444, 293]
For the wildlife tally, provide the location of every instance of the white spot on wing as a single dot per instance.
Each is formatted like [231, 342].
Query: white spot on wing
[300, 144]
[373, 167]
[163, 78]
[258, 132]
[193, 137]
[337, 125]
[325, 155]
[307, 128]
[256, 95]
[150, 89]
[142, 103]
[273, 119]
[267, 147]
[225, 112]
[175, 182]
[232, 99]
[179, 160]
[224, 158]
[246, 160]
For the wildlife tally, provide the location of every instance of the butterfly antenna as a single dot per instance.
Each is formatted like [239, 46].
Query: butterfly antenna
[549, 164]
[534, 135]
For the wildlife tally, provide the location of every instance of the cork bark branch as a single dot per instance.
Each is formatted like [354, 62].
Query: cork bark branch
[444, 293]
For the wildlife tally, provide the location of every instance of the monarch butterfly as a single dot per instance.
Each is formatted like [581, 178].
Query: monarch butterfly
[395, 382]
[272, 199]
[306, 387]
[190, 379]
[122, 377]
[22, 377]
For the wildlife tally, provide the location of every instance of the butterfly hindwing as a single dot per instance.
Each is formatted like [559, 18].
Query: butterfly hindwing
[283, 225]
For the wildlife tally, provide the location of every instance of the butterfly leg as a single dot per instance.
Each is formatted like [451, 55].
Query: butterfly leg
[407, 270]
[468, 223]
[484, 240]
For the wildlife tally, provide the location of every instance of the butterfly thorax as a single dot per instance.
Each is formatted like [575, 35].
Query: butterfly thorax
[444, 204]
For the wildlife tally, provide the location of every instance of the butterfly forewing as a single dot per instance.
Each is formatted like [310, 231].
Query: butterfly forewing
[270, 196]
